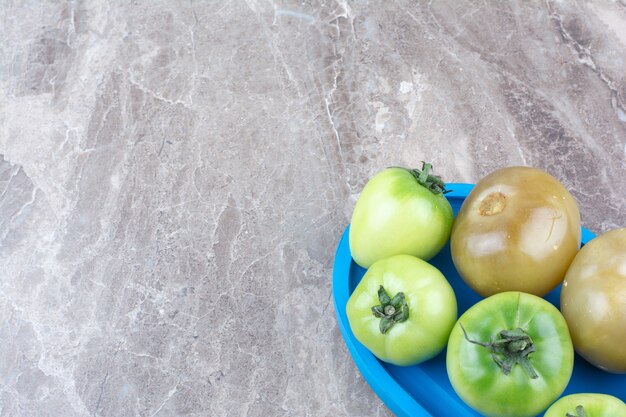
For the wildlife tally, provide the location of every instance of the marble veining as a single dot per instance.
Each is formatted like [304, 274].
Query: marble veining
[175, 176]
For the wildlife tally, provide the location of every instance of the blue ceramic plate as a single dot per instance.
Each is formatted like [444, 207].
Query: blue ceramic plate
[424, 390]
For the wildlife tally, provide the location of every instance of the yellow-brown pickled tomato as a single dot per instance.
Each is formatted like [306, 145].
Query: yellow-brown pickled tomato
[518, 230]
[593, 301]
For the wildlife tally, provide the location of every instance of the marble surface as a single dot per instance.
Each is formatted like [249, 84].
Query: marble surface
[175, 176]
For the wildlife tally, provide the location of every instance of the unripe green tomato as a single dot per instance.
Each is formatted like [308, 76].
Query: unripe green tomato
[510, 355]
[397, 215]
[413, 324]
[587, 405]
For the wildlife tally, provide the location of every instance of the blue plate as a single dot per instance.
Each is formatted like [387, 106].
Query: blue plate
[424, 390]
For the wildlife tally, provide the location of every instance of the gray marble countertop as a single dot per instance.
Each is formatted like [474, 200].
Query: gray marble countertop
[175, 176]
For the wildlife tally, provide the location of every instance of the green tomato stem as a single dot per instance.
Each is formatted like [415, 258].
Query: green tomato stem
[433, 183]
[510, 347]
[391, 310]
[580, 412]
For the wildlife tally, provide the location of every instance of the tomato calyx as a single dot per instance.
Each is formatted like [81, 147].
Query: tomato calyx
[580, 412]
[510, 347]
[433, 183]
[391, 310]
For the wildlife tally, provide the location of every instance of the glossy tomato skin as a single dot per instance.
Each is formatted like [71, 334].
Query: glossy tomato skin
[593, 301]
[480, 381]
[396, 215]
[518, 230]
[432, 310]
[594, 405]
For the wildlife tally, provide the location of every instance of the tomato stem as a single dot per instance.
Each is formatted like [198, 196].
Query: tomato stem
[580, 412]
[434, 183]
[510, 347]
[391, 310]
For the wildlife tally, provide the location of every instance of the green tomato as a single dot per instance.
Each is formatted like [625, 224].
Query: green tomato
[402, 310]
[400, 212]
[510, 355]
[587, 405]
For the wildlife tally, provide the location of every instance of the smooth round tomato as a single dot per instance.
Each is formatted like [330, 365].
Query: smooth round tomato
[400, 211]
[518, 230]
[402, 310]
[593, 301]
[587, 405]
[510, 355]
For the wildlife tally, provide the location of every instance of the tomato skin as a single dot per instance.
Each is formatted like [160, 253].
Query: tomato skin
[432, 310]
[518, 230]
[481, 383]
[396, 215]
[593, 301]
[595, 405]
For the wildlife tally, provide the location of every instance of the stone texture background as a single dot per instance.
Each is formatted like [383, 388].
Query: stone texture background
[175, 176]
